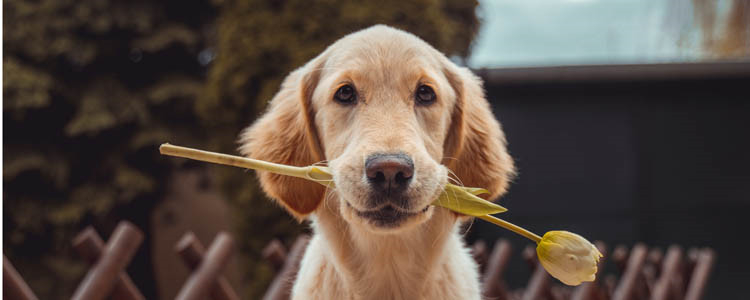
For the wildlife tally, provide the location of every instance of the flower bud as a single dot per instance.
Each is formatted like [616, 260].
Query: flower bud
[568, 257]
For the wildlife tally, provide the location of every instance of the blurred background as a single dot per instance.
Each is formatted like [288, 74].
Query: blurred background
[628, 121]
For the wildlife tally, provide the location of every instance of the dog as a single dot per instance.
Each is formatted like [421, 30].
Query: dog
[394, 119]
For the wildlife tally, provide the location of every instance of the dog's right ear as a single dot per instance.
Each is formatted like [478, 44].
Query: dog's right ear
[476, 148]
[286, 134]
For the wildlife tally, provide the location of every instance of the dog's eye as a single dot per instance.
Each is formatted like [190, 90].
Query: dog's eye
[425, 95]
[345, 95]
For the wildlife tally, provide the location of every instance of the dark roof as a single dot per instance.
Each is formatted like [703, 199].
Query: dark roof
[616, 72]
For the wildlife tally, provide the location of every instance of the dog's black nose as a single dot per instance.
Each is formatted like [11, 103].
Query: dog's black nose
[389, 173]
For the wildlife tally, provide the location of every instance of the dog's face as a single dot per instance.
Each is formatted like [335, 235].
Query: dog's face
[383, 111]
[390, 115]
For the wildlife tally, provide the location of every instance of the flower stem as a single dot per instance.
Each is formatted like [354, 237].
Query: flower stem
[309, 173]
[232, 160]
[512, 227]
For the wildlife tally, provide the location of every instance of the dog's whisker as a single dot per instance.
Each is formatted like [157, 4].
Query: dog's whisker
[330, 191]
[454, 176]
[326, 199]
[323, 163]
[471, 223]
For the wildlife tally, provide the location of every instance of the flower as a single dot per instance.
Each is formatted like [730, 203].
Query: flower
[565, 255]
[568, 257]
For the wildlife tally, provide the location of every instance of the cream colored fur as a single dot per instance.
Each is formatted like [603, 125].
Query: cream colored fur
[349, 257]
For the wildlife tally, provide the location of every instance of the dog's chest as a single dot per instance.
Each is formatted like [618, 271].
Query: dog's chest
[386, 272]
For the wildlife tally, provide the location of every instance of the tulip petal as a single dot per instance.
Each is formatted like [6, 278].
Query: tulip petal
[568, 257]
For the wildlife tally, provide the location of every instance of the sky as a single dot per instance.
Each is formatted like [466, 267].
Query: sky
[571, 32]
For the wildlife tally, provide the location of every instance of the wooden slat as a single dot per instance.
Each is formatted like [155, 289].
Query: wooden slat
[480, 254]
[275, 253]
[651, 269]
[281, 286]
[102, 277]
[610, 285]
[701, 272]
[200, 283]
[588, 290]
[620, 257]
[668, 285]
[14, 287]
[628, 282]
[493, 286]
[89, 246]
[539, 284]
[192, 252]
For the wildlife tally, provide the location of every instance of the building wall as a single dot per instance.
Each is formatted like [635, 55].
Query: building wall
[625, 158]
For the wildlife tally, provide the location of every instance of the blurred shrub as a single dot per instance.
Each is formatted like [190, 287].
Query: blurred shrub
[92, 87]
[724, 33]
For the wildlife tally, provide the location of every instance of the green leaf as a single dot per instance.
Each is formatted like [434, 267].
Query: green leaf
[464, 200]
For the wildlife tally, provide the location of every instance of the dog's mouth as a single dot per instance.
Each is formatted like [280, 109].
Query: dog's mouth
[387, 216]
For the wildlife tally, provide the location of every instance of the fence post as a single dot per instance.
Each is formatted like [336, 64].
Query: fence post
[539, 284]
[13, 284]
[200, 283]
[669, 284]
[89, 246]
[101, 278]
[701, 271]
[281, 286]
[192, 252]
[492, 284]
[275, 253]
[629, 279]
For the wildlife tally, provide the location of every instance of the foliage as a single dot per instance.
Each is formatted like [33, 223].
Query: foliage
[724, 35]
[92, 87]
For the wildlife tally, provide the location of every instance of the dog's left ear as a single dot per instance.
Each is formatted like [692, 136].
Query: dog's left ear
[475, 147]
[286, 134]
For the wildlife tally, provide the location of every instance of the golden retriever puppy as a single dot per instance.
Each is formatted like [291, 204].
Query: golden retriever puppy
[394, 119]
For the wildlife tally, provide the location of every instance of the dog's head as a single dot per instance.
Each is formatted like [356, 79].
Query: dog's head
[393, 118]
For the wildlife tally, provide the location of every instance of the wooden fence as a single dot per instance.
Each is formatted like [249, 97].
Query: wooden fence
[642, 273]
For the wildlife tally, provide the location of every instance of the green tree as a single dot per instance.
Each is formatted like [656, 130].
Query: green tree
[93, 87]
[723, 35]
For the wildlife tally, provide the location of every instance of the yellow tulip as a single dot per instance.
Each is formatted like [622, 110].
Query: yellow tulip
[565, 255]
[568, 257]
